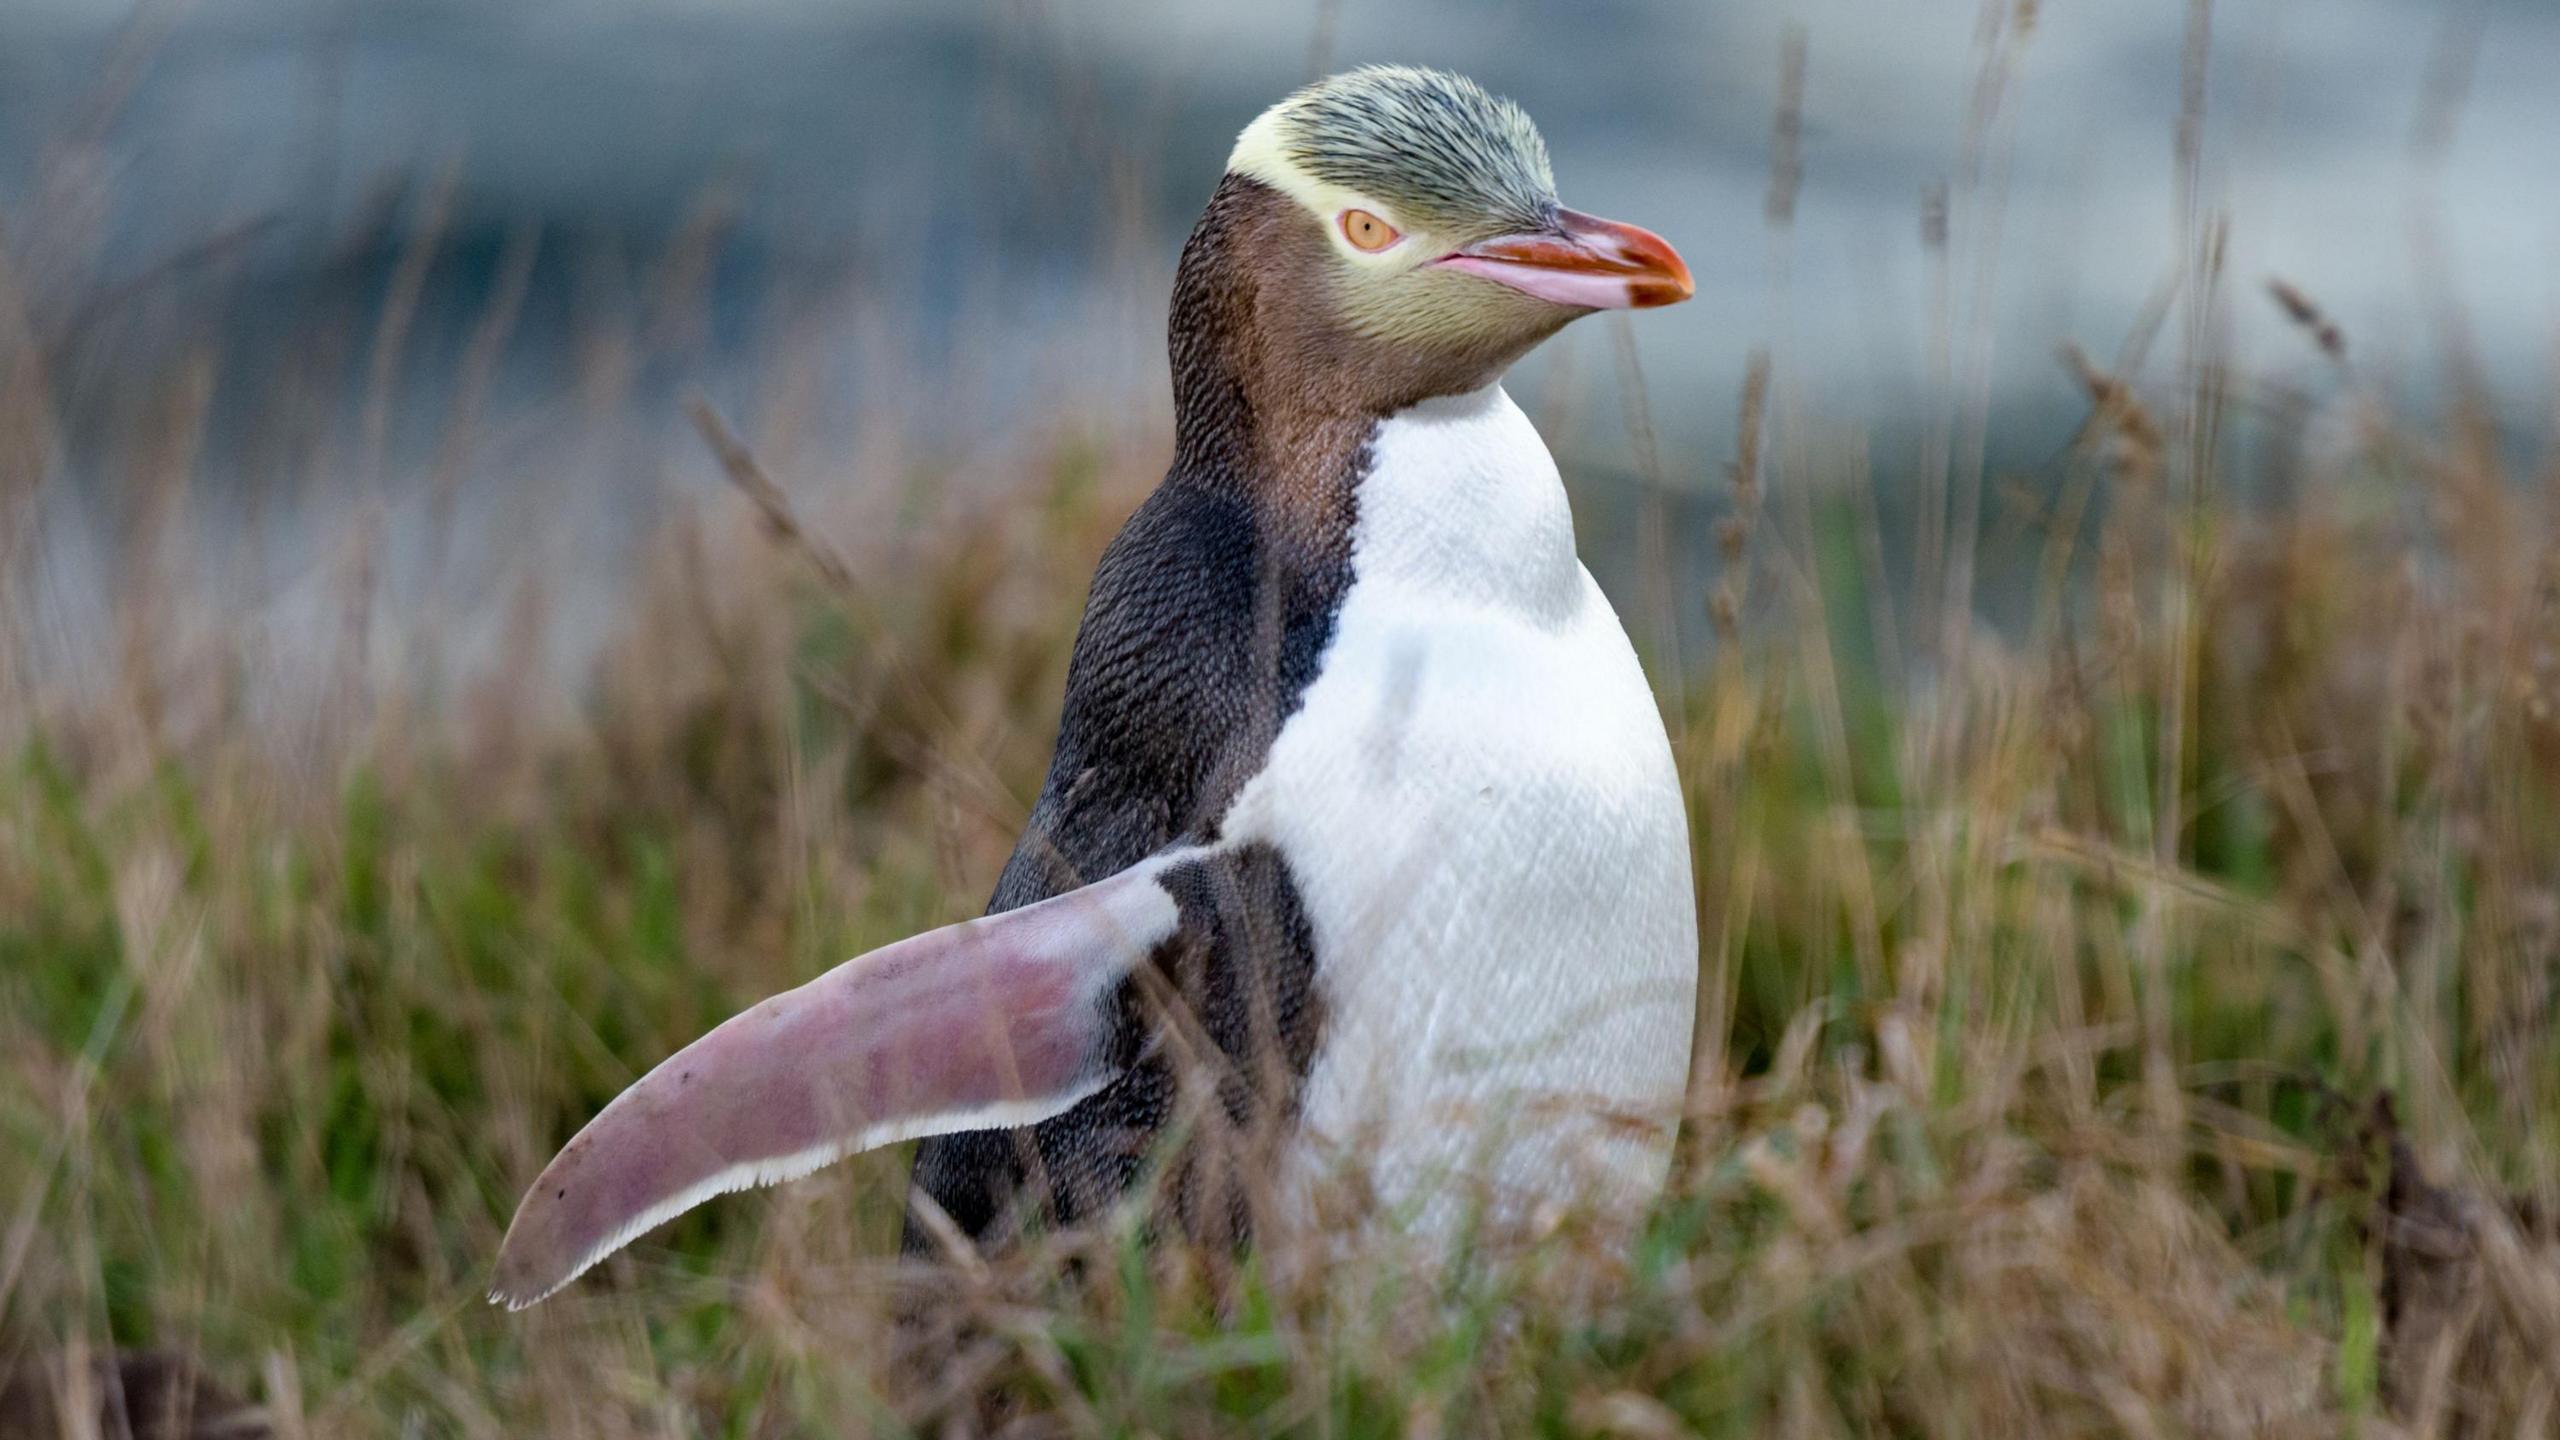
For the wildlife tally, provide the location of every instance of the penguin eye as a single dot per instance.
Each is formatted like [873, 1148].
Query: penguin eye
[1367, 233]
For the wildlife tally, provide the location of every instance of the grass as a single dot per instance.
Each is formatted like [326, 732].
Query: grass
[2055, 976]
[2031, 1097]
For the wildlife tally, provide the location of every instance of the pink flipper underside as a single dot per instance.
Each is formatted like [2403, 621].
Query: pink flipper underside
[995, 1021]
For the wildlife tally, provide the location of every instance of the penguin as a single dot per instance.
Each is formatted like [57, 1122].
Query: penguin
[1361, 804]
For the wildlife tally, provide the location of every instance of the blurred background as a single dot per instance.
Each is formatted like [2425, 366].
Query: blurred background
[2090, 536]
[934, 228]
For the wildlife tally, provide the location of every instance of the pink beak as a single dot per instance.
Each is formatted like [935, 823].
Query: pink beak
[1585, 262]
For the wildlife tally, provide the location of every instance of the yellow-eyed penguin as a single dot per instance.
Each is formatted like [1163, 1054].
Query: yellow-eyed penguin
[1355, 763]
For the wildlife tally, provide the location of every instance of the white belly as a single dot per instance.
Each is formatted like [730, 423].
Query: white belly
[1479, 809]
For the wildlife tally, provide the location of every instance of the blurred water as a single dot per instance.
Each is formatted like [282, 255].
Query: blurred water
[956, 218]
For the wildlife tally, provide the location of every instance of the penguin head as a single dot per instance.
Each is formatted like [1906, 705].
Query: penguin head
[1418, 235]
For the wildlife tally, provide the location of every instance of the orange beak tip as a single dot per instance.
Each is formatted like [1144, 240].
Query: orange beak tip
[1585, 263]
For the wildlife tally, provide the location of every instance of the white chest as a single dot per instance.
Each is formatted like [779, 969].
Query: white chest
[1479, 809]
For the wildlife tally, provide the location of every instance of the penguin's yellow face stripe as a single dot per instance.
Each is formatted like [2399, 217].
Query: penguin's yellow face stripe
[1437, 148]
[1438, 208]
[1364, 229]
[1381, 281]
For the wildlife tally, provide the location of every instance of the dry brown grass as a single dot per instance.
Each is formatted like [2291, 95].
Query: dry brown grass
[2014, 1114]
[2050, 976]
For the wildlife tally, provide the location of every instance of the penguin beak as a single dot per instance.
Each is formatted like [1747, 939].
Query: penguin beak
[1584, 262]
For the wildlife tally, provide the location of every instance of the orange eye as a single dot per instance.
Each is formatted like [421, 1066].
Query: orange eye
[1367, 232]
